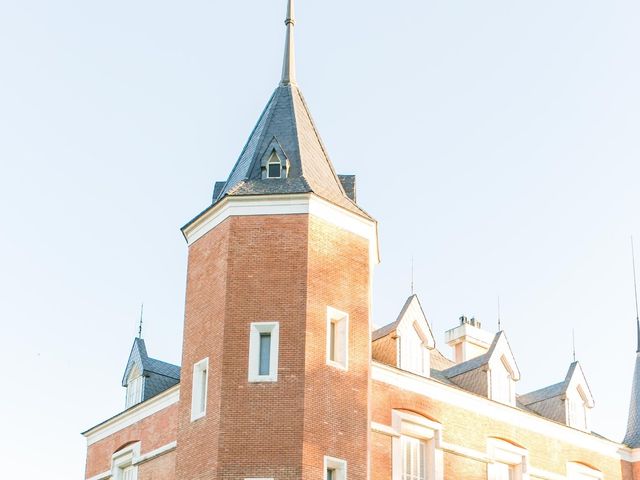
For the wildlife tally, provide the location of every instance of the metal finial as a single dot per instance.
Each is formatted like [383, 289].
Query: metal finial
[140, 324]
[635, 288]
[573, 337]
[289, 65]
[499, 316]
[412, 290]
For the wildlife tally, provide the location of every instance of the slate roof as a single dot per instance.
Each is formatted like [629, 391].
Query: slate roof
[391, 327]
[551, 391]
[632, 437]
[159, 375]
[287, 123]
[473, 363]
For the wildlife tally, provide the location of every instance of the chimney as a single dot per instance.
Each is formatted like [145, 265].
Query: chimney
[468, 340]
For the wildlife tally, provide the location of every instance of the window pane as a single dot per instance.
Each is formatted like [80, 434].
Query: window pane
[413, 459]
[203, 389]
[265, 353]
[332, 341]
[274, 170]
[331, 474]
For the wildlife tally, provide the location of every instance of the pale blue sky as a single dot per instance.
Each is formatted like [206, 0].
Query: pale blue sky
[495, 141]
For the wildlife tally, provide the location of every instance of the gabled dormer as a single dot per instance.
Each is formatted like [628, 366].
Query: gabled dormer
[146, 377]
[569, 402]
[406, 343]
[492, 375]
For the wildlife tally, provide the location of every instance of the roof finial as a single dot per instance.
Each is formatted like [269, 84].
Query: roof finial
[635, 288]
[499, 316]
[573, 338]
[289, 66]
[140, 324]
[412, 290]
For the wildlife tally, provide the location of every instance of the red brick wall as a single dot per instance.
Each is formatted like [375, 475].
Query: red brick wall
[205, 306]
[160, 468]
[288, 269]
[153, 432]
[470, 429]
[336, 408]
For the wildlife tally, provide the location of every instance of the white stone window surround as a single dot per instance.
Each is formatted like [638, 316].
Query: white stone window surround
[199, 389]
[256, 329]
[579, 471]
[338, 465]
[122, 463]
[502, 452]
[337, 339]
[409, 424]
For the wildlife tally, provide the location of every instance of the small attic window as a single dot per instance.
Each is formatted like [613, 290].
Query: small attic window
[274, 166]
[135, 388]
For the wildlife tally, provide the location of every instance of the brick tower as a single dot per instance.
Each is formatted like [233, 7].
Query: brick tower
[276, 355]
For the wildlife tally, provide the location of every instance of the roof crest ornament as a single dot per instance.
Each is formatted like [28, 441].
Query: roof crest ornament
[140, 324]
[289, 65]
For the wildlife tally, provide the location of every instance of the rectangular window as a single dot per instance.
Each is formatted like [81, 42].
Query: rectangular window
[335, 469]
[129, 473]
[263, 352]
[199, 390]
[135, 388]
[337, 338]
[414, 459]
[504, 471]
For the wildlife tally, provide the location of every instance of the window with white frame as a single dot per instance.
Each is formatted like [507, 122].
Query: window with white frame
[199, 389]
[123, 463]
[579, 471]
[509, 462]
[135, 388]
[263, 351]
[274, 166]
[414, 458]
[337, 338]
[335, 469]
[413, 352]
[416, 450]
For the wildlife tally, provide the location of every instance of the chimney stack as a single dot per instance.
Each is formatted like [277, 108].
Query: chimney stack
[468, 340]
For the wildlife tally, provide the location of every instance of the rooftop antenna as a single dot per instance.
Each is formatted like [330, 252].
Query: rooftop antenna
[573, 336]
[140, 324]
[635, 289]
[499, 315]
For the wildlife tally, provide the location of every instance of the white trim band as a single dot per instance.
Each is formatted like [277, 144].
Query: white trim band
[292, 204]
[133, 415]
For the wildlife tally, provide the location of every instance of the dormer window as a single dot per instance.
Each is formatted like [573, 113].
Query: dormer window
[578, 409]
[135, 388]
[414, 355]
[274, 166]
[502, 384]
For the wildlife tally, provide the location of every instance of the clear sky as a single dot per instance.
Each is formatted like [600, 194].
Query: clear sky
[496, 142]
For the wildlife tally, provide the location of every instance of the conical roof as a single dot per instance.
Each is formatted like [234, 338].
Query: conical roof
[286, 132]
[286, 128]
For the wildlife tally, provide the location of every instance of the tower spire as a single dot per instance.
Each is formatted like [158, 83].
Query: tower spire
[289, 65]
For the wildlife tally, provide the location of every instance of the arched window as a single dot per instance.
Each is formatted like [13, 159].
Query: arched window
[417, 454]
[509, 462]
[123, 463]
[580, 471]
[274, 166]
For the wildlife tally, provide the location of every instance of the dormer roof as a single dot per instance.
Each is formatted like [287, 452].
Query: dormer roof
[575, 378]
[411, 314]
[159, 375]
[499, 349]
[632, 436]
